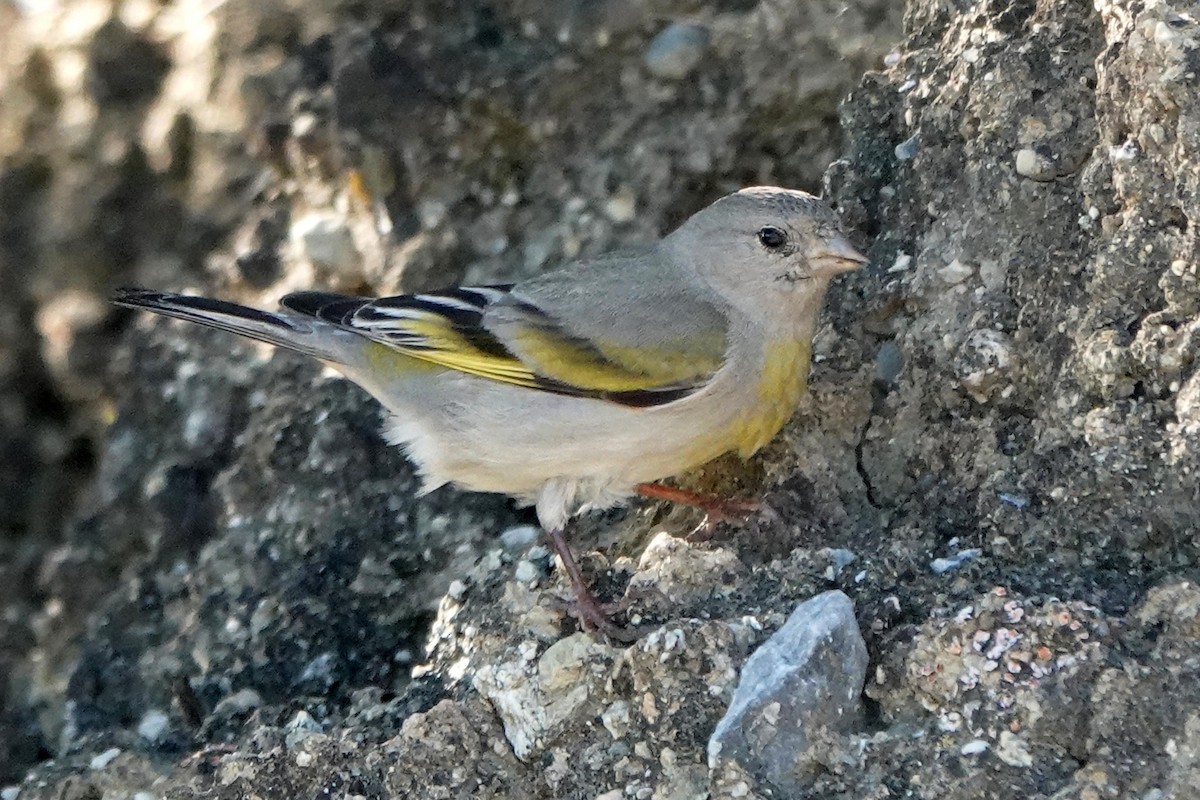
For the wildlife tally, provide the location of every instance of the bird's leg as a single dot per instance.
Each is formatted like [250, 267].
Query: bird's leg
[716, 509]
[587, 609]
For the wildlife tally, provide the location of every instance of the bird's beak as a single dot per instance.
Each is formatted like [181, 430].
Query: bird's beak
[840, 255]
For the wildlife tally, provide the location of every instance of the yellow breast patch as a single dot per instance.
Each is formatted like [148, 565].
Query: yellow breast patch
[784, 378]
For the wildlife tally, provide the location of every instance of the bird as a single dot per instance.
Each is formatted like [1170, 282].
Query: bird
[591, 383]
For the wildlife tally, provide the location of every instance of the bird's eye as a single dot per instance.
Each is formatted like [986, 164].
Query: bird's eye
[772, 238]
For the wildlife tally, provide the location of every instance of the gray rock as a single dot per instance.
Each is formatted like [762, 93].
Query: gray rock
[889, 363]
[907, 150]
[1034, 164]
[677, 51]
[325, 240]
[799, 687]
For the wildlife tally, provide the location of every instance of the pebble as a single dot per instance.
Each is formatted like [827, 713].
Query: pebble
[299, 728]
[153, 725]
[889, 363]
[621, 206]
[325, 240]
[907, 150]
[940, 566]
[675, 52]
[800, 685]
[974, 747]
[240, 702]
[102, 760]
[956, 272]
[526, 572]
[519, 537]
[1034, 165]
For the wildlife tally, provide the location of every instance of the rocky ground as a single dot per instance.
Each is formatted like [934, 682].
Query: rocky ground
[215, 579]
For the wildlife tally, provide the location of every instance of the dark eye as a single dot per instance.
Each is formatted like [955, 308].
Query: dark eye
[772, 238]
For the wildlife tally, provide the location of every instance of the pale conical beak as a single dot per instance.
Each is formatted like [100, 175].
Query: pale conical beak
[840, 255]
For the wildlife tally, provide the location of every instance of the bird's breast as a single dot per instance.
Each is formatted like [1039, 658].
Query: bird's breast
[782, 380]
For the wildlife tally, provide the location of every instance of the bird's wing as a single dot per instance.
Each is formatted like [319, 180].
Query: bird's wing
[554, 334]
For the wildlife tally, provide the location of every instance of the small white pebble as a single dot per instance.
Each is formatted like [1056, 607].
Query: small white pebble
[907, 150]
[956, 272]
[1125, 152]
[519, 537]
[303, 721]
[525, 572]
[974, 747]
[943, 565]
[676, 51]
[104, 759]
[457, 590]
[1034, 165]
[154, 725]
[622, 206]
[10, 792]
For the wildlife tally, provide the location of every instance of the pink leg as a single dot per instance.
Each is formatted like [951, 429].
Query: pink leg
[716, 509]
[591, 614]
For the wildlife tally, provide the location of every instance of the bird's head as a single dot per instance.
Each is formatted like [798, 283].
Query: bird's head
[764, 247]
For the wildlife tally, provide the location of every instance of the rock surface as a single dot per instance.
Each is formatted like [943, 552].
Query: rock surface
[996, 462]
[799, 688]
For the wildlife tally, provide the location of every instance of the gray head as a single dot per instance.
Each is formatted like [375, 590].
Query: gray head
[762, 245]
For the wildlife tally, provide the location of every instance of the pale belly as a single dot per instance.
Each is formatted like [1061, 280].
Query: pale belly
[499, 438]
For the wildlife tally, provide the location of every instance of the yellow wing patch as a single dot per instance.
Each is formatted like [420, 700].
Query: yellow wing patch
[533, 352]
[441, 344]
[606, 369]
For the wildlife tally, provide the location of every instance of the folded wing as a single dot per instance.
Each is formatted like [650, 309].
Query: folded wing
[505, 334]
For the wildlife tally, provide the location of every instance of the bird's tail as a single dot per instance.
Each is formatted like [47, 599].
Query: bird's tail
[312, 337]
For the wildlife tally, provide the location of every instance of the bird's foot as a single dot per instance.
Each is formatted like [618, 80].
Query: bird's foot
[593, 616]
[717, 509]
[596, 617]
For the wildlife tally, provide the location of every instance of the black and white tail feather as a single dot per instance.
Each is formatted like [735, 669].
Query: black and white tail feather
[288, 330]
[308, 317]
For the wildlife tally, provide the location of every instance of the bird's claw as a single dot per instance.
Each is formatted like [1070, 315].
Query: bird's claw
[595, 617]
[731, 510]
